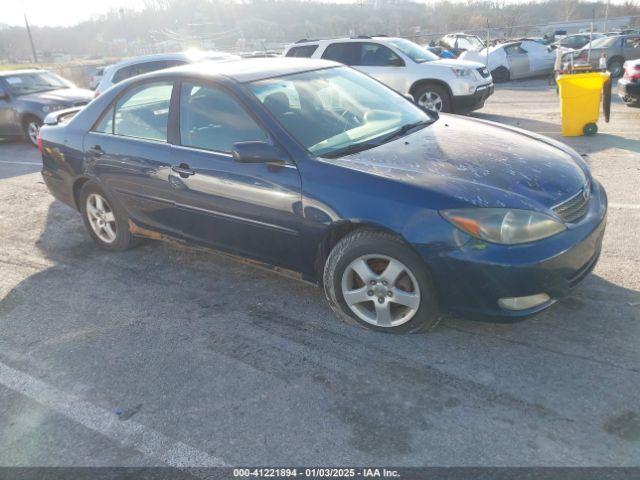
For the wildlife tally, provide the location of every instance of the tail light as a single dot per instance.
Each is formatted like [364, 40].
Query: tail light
[632, 72]
[96, 94]
[39, 142]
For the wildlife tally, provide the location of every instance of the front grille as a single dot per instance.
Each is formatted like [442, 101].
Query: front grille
[574, 208]
[484, 71]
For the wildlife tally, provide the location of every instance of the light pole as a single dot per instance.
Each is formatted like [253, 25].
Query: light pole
[26, 24]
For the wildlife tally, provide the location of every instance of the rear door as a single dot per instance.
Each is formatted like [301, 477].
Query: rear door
[631, 47]
[518, 60]
[251, 209]
[128, 151]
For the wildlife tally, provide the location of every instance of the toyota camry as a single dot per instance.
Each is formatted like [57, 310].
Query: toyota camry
[399, 213]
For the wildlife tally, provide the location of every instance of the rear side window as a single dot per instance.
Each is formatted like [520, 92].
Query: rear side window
[143, 112]
[362, 54]
[211, 119]
[303, 51]
[141, 68]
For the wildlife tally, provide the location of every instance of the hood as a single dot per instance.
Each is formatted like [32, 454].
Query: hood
[455, 63]
[476, 163]
[62, 96]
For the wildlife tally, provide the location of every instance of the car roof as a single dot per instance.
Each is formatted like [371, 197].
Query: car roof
[362, 38]
[252, 69]
[8, 73]
[187, 56]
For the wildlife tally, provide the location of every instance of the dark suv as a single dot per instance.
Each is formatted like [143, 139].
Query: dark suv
[28, 96]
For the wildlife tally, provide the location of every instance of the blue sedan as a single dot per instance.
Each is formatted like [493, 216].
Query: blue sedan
[310, 166]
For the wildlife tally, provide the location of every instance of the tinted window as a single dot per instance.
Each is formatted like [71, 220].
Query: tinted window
[362, 54]
[302, 51]
[144, 111]
[212, 119]
[514, 50]
[633, 42]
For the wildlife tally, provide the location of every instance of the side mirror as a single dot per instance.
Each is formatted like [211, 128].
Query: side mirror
[256, 152]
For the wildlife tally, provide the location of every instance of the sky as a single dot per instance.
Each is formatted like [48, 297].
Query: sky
[71, 12]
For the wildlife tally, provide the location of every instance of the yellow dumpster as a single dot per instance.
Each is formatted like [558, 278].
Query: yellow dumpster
[580, 96]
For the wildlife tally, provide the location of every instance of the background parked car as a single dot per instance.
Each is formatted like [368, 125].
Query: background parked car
[28, 96]
[438, 84]
[149, 63]
[440, 51]
[573, 42]
[514, 60]
[618, 50]
[629, 84]
[95, 77]
[461, 42]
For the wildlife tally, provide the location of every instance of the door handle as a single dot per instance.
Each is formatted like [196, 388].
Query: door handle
[183, 170]
[96, 151]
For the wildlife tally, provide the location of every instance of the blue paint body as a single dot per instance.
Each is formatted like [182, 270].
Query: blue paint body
[285, 214]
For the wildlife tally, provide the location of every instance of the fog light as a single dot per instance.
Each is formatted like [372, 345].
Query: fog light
[523, 303]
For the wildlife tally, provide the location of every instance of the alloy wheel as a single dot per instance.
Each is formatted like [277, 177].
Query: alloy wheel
[431, 101]
[33, 128]
[101, 217]
[381, 290]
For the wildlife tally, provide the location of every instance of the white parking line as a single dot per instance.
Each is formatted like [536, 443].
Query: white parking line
[634, 206]
[21, 163]
[128, 433]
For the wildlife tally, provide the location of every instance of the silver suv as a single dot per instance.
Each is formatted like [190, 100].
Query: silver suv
[445, 85]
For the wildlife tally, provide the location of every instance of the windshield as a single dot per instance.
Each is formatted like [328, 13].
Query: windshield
[337, 111]
[470, 42]
[604, 42]
[25, 83]
[414, 51]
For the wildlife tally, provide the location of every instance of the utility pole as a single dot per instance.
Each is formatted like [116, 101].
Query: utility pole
[606, 16]
[33, 47]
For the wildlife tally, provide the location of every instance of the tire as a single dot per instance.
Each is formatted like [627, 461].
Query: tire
[408, 297]
[31, 126]
[114, 235]
[615, 67]
[433, 97]
[501, 75]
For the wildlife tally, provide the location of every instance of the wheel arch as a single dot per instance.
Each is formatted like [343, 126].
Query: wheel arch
[337, 232]
[78, 183]
[430, 81]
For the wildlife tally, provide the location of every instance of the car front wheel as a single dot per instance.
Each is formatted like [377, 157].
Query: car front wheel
[433, 97]
[31, 127]
[107, 224]
[376, 280]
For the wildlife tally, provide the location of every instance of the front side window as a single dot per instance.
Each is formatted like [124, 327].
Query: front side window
[514, 50]
[336, 111]
[414, 51]
[303, 51]
[143, 112]
[212, 119]
[35, 82]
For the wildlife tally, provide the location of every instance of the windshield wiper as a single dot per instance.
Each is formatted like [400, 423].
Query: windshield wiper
[348, 150]
[406, 129]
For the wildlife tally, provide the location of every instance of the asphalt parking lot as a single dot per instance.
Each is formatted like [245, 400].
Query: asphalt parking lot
[165, 355]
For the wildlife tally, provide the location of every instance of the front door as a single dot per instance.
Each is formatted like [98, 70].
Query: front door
[9, 124]
[251, 209]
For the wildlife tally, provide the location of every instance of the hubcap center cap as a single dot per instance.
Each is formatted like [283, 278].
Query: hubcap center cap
[380, 290]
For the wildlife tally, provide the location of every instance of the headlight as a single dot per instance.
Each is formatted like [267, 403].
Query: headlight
[462, 72]
[503, 225]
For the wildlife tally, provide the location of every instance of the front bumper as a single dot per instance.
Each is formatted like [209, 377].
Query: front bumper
[629, 90]
[468, 103]
[470, 280]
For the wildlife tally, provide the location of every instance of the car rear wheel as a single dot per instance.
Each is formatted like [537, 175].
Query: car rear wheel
[376, 280]
[433, 97]
[500, 75]
[31, 127]
[107, 224]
